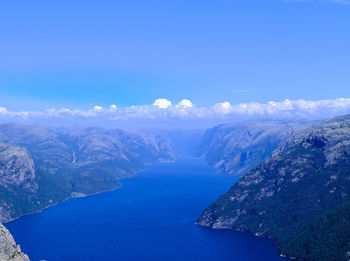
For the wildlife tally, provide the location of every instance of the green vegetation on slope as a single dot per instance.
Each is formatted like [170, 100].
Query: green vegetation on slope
[325, 238]
[292, 197]
[40, 167]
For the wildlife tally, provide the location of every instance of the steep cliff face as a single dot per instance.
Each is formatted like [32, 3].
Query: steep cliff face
[184, 142]
[93, 145]
[236, 148]
[300, 197]
[17, 179]
[8, 248]
[50, 155]
[42, 166]
[16, 167]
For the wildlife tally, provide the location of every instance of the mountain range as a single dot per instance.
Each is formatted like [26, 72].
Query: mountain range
[299, 197]
[237, 147]
[40, 166]
[293, 188]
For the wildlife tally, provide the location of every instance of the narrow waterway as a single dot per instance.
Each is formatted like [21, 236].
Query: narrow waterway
[151, 217]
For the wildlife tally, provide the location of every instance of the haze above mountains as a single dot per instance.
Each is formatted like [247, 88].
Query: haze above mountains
[184, 114]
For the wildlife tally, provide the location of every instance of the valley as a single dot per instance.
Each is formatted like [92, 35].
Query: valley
[284, 170]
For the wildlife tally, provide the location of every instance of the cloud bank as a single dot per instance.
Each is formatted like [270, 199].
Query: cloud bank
[163, 113]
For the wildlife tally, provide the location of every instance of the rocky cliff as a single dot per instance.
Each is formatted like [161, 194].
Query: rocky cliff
[16, 167]
[236, 148]
[9, 250]
[300, 197]
[42, 166]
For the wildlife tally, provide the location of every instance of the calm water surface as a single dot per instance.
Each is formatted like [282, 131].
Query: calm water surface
[150, 218]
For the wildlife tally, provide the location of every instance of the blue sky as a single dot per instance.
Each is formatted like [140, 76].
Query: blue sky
[84, 53]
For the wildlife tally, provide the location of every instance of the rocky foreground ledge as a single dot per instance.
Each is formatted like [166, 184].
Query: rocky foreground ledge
[8, 248]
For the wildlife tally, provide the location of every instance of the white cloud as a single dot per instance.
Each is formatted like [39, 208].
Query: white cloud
[223, 107]
[112, 107]
[184, 104]
[162, 103]
[98, 108]
[162, 110]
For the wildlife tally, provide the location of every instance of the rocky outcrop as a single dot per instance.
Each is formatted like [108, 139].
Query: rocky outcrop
[17, 179]
[42, 166]
[93, 145]
[9, 250]
[238, 147]
[300, 197]
[16, 167]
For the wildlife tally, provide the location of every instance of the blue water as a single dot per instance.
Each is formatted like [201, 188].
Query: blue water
[150, 218]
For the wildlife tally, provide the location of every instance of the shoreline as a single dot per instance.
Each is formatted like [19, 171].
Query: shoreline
[91, 194]
[255, 235]
[64, 200]
[274, 253]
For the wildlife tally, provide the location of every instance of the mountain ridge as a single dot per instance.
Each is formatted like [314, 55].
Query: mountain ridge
[62, 163]
[238, 147]
[287, 195]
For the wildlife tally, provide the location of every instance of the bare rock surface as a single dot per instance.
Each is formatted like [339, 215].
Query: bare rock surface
[300, 197]
[9, 250]
[16, 167]
[238, 147]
